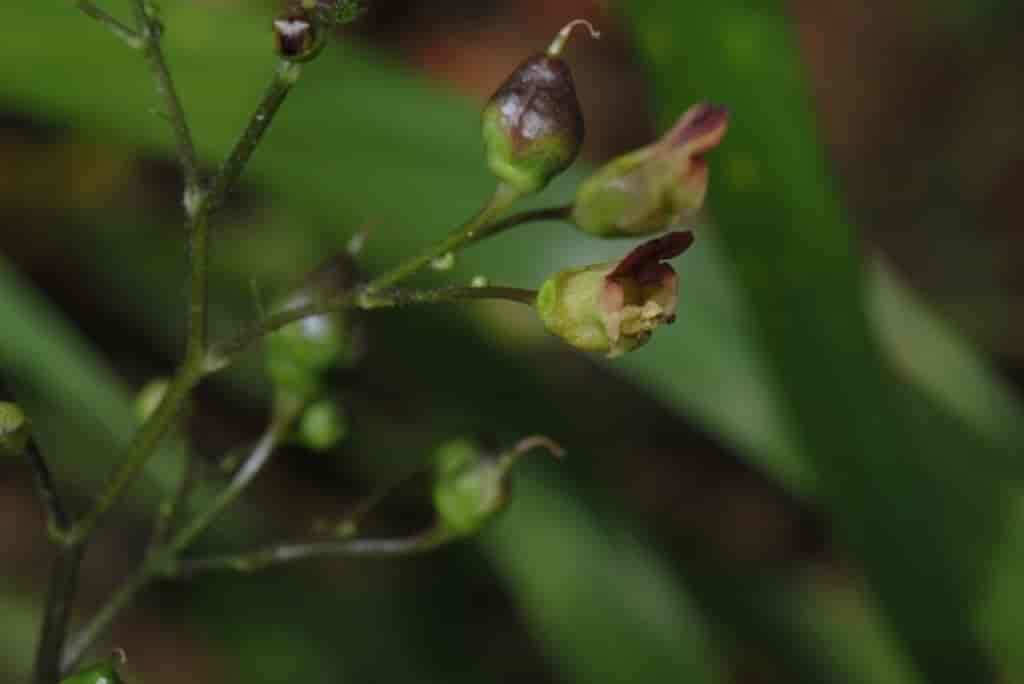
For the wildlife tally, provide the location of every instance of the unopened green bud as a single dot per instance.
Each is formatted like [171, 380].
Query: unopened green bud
[323, 425]
[149, 398]
[14, 429]
[299, 354]
[104, 673]
[651, 189]
[614, 307]
[533, 125]
[298, 37]
[472, 485]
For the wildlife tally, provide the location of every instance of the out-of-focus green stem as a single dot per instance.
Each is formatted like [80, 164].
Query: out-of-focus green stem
[148, 30]
[477, 228]
[280, 554]
[285, 414]
[118, 28]
[223, 355]
[285, 76]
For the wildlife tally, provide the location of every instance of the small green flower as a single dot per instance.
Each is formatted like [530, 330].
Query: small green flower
[615, 307]
[301, 353]
[472, 485]
[653, 188]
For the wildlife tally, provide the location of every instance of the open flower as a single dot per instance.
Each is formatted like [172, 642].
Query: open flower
[614, 307]
[650, 189]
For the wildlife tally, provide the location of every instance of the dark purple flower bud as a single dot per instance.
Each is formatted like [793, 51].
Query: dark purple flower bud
[533, 125]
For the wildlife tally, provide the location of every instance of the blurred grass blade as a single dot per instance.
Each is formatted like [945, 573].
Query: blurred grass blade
[895, 471]
[608, 610]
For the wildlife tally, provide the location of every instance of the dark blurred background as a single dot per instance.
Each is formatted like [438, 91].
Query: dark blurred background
[689, 536]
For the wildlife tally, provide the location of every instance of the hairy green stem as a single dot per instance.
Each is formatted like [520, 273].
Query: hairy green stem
[223, 355]
[149, 29]
[285, 76]
[118, 28]
[281, 554]
[477, 228]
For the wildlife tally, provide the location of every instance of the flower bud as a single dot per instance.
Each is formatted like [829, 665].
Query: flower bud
[301, 353]
[650, 189]
[104, 673]
[13, 429]
[472, 485]
[323, 425]
[614, 307]
[532, 125]
[298, 37]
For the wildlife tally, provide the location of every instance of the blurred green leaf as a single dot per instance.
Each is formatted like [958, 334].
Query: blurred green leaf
[608, 609]
[913, 490]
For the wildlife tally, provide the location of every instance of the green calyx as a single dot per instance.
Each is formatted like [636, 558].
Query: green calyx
[13, 429]
[527, 166]
[569, 305]
[470, 487]
[299, 354]
[621, 199]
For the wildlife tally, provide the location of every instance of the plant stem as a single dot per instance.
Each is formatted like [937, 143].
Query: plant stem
[285, 414]
[281, 554]
[119, 29]
[141, 447]
[60, 597]
[223, 355]
[63, 576]
[171, 506]
[57, 518]
[285, 76]
[149, 30]
[87, 636]
[476, 228]
[162, 557]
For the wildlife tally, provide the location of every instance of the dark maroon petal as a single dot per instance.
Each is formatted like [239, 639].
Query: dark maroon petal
[641, 262]
[701, 120]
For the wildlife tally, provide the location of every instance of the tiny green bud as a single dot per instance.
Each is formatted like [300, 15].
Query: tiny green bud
[533, 125]
[103, 673]
[651, 189]
[615, 307]
[14, 429]
[323, 425]
[299, 354]
[298, 37]
[471, 485]
[149, 398]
